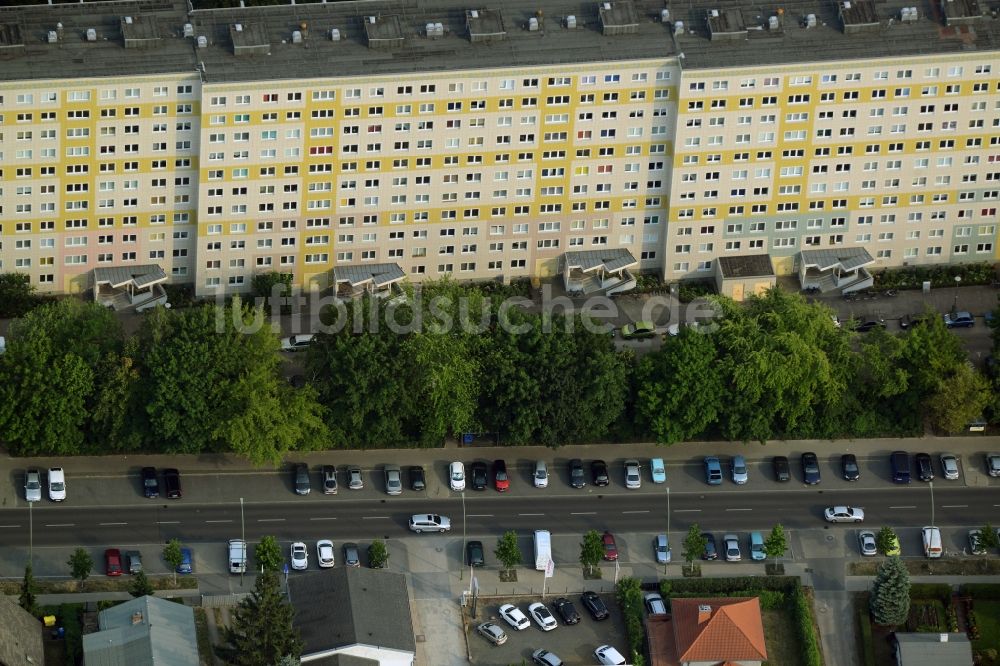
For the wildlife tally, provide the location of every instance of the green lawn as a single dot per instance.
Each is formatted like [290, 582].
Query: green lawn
[988, 621]
[779, 636]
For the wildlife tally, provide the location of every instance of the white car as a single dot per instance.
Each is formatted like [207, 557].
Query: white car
[429, 522]
[456, 476]
[542, 616]
[844, 514]
[654, 604]
[541, 475]
[949, 465]
[514, 617]
[608, 656]
[632, 479]
[324, 554]
[296, 343]
[731, 544]
[300, 556]
[57, 484]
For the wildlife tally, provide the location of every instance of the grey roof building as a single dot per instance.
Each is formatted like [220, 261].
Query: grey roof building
[147, 630]
[932, 649]
[352, 614]
[21, 638]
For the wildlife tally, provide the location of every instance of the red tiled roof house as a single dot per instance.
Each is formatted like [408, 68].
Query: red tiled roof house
[709, 632]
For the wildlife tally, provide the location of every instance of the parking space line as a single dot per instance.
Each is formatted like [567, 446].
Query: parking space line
[109, 524]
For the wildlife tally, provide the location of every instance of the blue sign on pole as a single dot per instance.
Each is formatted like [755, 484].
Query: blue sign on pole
[286, 568]
[468, 437]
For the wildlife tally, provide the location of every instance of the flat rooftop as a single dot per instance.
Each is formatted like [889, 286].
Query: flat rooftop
[408, 48]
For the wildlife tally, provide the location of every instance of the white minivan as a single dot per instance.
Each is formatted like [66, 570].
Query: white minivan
[57, 484]
[932, 542]
[237, 556]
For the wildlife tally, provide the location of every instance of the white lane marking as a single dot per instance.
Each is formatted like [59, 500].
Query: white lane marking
[323, 518]
[270, 520]
[9, 525]
[903, 507]
[687, 510]
[954, 506]
[108, 524]
[531, 514]
[739, 509]
[480, 515]
[646, 511]
[218, 521]
[584, 513]
[374, 517]
[168, 522]
[60, 525]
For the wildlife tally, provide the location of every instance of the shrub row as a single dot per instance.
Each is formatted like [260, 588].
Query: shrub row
[806, 630]
[939, 276]
[754, 584]
[867, 640]
[630, 600]
[931, 591]
[989, 591]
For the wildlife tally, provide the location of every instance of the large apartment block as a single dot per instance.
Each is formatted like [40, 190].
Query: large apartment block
[356, 144]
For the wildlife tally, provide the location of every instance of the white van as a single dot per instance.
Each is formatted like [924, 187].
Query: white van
[237, 556]
[932, 542]
[543, 549]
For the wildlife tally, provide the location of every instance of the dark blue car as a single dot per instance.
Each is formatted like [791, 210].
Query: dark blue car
[187, 562]
[810, 468]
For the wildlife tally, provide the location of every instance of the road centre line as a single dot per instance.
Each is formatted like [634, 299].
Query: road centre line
[954, 506]
[645, 511]
[903, 507]
[109, 524]
[218, 521]
[739, 509]
[15, 526]
[374, 517]
[687, 510]
[60, 525]
[271, 520]
[583, 513]
[531, 514]
[168, 522]
[323, 518]
[480, 515]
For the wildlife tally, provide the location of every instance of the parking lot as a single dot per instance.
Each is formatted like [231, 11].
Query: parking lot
[573, 644]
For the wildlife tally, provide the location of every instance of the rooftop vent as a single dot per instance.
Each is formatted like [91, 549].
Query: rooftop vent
[485, 25]
[619, 18]
[202, 41]
[908, 14]
[188, 30]
[334, 35]
[384, 32]
[91, 35]
[137, 617]
[571, 22]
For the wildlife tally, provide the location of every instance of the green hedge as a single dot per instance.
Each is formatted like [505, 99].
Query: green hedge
[981, 591]
[752, 584]
[931, 591]
[630, 600]
[865, 633]
[806, 630]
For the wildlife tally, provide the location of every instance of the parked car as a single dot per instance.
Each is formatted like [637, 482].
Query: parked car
[187, 562]
[661, 549]
[632, 479]
[731, 544]
[456, 476]
[300, 556]
[711, 552]
[638, 330]
[608, 656]
[429, 522]
[150, 484]
[654, 604]
[296, 343]
[960, 319]
[844, 514]
[908, 321]
[810, 468]
[301, 479]
[849, 467]
[417, 479]
[599, 473]
[172, 483]
[514, 617]
[757, 547]
[543, 657]
[541, 475]
[975, 545]
[113, 562]
[57, 484]
[546, 621]
[594, 605]
[782, 472]
[492, 632]
[868, 323]
[325, 554]
[355, 481]
[566, 610]
[894, 548]
[32, 486]
[657, 470]
[866, 543]
[477, 472]
[949, 466]
[576, 478]
[925, 468]
[352, 557]
[474, 554]
[610, 547]
[993, 464]
[899, 461]
[329, 480]
[500, 479]
[713, 471]
[133, 561]
[393, 480]
[740, 473]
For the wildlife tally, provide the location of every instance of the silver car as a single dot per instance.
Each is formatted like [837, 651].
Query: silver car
[661, 547]
[975, 545]
[354, 479]
[33, 486]
[393, 480]
[949, 465]
[731, 545]
[866, 543]
[740, 473]
[492, 632]
[545, 658]
[632, 479]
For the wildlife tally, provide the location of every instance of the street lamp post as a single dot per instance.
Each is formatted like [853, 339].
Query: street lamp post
[954, 305]
[243, 536]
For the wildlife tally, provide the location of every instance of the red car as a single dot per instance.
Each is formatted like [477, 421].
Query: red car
[500, 478]
[610, 547]
[113, 562]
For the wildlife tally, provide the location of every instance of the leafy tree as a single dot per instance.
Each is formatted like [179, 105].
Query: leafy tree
[268, 554]
[17, 295]
[261, 632]
[140, 585]
[508, 552]
[681, 392]
[81, 564]
[378, 554]
[441, 364]
[960, 398]
[28, 598]
[988, 537]
[591, 550]
[117, 418]
[694, 545]
[776, 542]
[263, 285]
[173, 556]
[886, 540]
[890, 599]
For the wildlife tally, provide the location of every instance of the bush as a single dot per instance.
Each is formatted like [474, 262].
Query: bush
[752, 585]
[939, 276]
[630, 599]
[771, 599]
[691, 290]
[988, 591]
[808, 641]
[931, 591]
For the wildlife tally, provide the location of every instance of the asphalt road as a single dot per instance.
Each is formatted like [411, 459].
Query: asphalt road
[341, 517]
